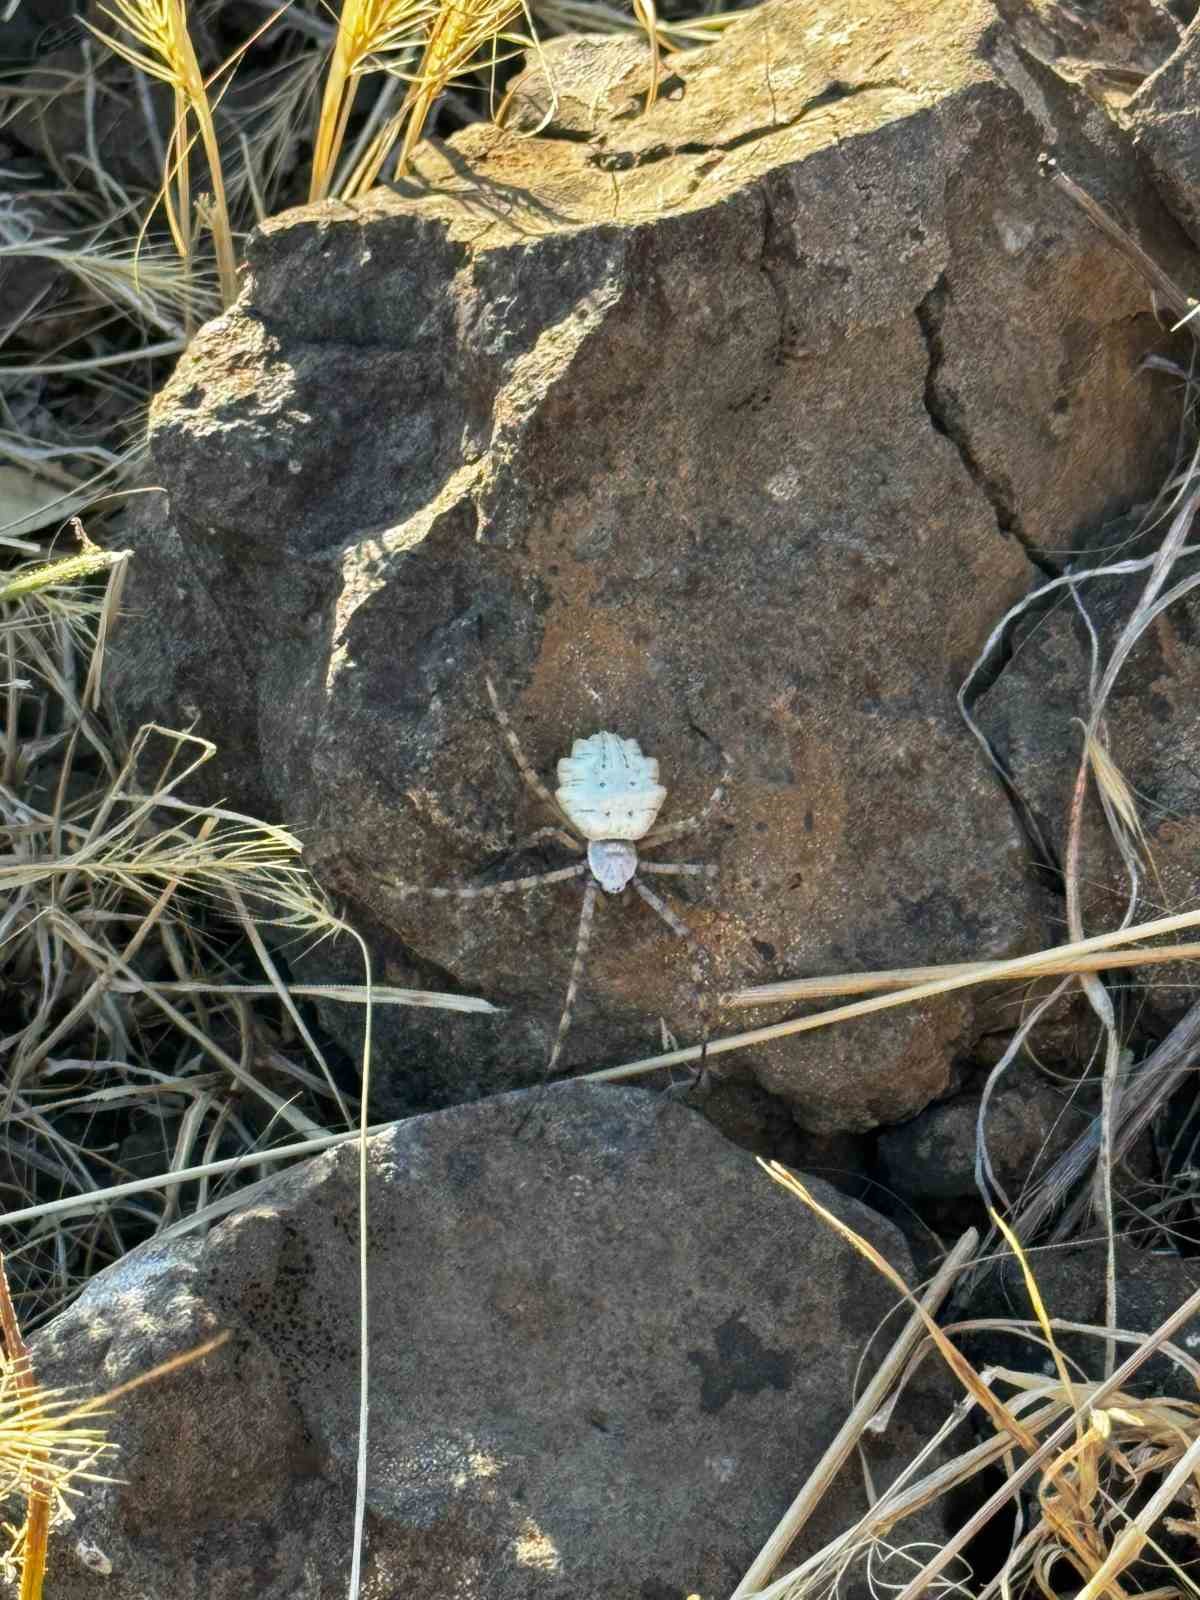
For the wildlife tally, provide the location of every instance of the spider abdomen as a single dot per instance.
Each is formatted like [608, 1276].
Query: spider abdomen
[609, 789]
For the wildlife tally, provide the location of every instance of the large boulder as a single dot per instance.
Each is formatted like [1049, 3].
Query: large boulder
[731, 427]
[606, 1351]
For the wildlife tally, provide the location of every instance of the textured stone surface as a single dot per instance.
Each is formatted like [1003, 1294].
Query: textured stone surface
[1071, 1282]
[1031, 1120]
[607, 1349]
[726, 428]
[1109, 47]
[1031, 715]
[578, 83]
[1165, 118]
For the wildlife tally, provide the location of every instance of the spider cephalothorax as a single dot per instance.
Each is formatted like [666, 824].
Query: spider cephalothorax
[609, 798]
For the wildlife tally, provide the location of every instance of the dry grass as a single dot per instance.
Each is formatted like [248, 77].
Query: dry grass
[1099, 1479]
[48, 1445]
[461, 35]
[133, 1033]
[163, 49]
[100, 321]
[371, 36]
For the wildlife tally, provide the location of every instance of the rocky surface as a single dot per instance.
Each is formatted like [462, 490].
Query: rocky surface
[606, 1351]
[1032, 712]
[580, 83]
[1031, 1120]
[732, 427]
[1109, 48]
[1165, 118]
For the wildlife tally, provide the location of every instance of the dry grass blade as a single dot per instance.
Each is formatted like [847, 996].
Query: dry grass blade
[971, 1381]
[1184, 305]
[47, 581]
[46, 1445]
[864, 1411]
[594, 16]
[794, 989]
[985, 972]
[646, 14]
[163, 49]
[463, 35]
[100, 1199]
[40, 1453]
[120, 899]
[1156, 1079]
[1096, 1452]
[1118, 798]
[368, 32]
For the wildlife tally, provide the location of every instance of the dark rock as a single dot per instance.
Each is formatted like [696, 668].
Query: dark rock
[607, 1350]
[1031, 1120]
[728, 429]
[1108, 47]
[1150, 1287]
[1032, 716]
[1165, 118]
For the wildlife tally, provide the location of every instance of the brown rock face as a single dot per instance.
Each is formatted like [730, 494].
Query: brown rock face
[727, 429]
[605, 1353]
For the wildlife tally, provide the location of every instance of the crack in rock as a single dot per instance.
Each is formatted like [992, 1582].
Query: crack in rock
[831, 94]
[946, 413]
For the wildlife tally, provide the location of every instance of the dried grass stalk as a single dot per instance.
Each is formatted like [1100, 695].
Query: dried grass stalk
[368, 31]
[164, 50]
[1107, 1467]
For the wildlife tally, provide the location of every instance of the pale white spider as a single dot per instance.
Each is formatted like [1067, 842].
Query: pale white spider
[609, 797]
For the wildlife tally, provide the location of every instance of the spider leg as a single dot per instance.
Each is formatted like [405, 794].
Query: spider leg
[676, 830]
[701, 963]
[559, 834]
[523, 766]
[581, 950]
[680, 869]
[509, 886]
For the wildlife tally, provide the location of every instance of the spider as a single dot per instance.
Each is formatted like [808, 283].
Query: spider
[608, 798]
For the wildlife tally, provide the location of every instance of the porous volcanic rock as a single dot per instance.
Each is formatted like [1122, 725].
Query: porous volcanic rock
[1165, 117]
[1032, 716]
[607, 1350]
[729, 428]
[1031, 1120]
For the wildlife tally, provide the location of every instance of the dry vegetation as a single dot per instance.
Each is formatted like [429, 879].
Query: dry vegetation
[148, 1029]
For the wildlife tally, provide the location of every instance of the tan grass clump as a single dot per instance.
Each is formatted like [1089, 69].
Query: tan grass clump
[163, 49]
[127, 917]
[370, 35]
[48, 1446]
[1105, 1479]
